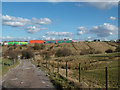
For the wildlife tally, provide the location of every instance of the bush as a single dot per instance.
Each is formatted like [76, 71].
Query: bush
[109, 51]
[13, 55]
[20, 47]
[45, 54]
[10, 48]
[27, 54]
[98, 52]
[63, 52]
[38, 47]
[117, 49]
[84, 52]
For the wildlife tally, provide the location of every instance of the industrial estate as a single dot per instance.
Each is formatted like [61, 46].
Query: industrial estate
[35, 41]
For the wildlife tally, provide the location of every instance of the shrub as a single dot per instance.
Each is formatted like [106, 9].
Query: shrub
[109, 51]
[20, 47]
[45, 54]
[38, 47]
[10, 48]
[27, 54]
[98, 52]
[13, 55]
[63, 52]
[84, 52]
[58, 53]
[117, 49]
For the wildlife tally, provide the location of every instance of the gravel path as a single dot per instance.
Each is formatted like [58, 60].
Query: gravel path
[26, 75]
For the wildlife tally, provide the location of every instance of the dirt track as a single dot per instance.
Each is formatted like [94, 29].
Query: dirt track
[26, 75]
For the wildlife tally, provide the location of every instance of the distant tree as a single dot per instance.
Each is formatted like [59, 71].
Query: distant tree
[63, 52]
[95, 40]
[20, 47]
[117, 49]
[98, 40]
[38, 46]
[109, 51]
[13, 55]
[27, 54]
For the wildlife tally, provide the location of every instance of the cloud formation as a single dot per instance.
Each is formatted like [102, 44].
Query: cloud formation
[101, 30]
[103, 5]
[48, 38]
[14, 21]
[104, 30]
[31, 25]
[112, 18]
[81, 30]
[54, 33]
[41, 21]
[15, 38]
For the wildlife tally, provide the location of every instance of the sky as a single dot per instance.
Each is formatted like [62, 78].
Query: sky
[59, 20]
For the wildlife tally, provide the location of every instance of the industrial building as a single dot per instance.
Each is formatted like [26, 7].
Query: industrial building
[35, 41]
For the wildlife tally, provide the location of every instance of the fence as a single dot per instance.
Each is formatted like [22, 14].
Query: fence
[95, 78]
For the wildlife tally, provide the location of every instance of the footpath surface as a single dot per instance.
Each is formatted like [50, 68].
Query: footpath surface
[26, 75]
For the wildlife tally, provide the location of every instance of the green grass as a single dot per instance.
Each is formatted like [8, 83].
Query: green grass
[95, 73]
[7, 65]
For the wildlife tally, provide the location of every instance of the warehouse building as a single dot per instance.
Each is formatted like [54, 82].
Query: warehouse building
[36, 41]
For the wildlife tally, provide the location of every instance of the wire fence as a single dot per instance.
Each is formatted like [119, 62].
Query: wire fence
[94, 78]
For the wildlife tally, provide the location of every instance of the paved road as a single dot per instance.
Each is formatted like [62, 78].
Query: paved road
[26, 75]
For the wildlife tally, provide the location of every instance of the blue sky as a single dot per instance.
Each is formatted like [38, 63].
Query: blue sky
[45, 20]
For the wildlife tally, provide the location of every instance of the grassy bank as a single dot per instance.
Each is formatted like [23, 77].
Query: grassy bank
[92, 70]
[7, 64]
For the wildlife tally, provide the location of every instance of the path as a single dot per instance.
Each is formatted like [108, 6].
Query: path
[26, 75]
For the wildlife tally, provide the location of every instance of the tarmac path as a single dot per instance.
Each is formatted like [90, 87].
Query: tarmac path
[26, 75]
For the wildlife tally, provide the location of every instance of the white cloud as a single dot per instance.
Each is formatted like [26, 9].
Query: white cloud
[45, 38]
[41, 21]
[34, 29]
[15, 38]
[14, 21]
[112, 18]
[104, 30]
[14, 24]
[103, 5]
[23, 22]
[54, 33]
[89, 37]
[81, 30]
[101, 30]
[18, 21]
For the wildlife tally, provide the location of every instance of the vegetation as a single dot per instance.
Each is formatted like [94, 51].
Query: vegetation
[63, 52]
[109, 51]
[90, 55]
[7, 64]
[27, 54]
[117, 49]
[38, 46]
[92, 70]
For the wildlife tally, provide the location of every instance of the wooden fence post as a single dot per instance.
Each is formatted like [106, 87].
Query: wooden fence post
[66, 68]
[58, 67]
[106, 78]
[46, 63]
[53, 66]
[79, 72]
